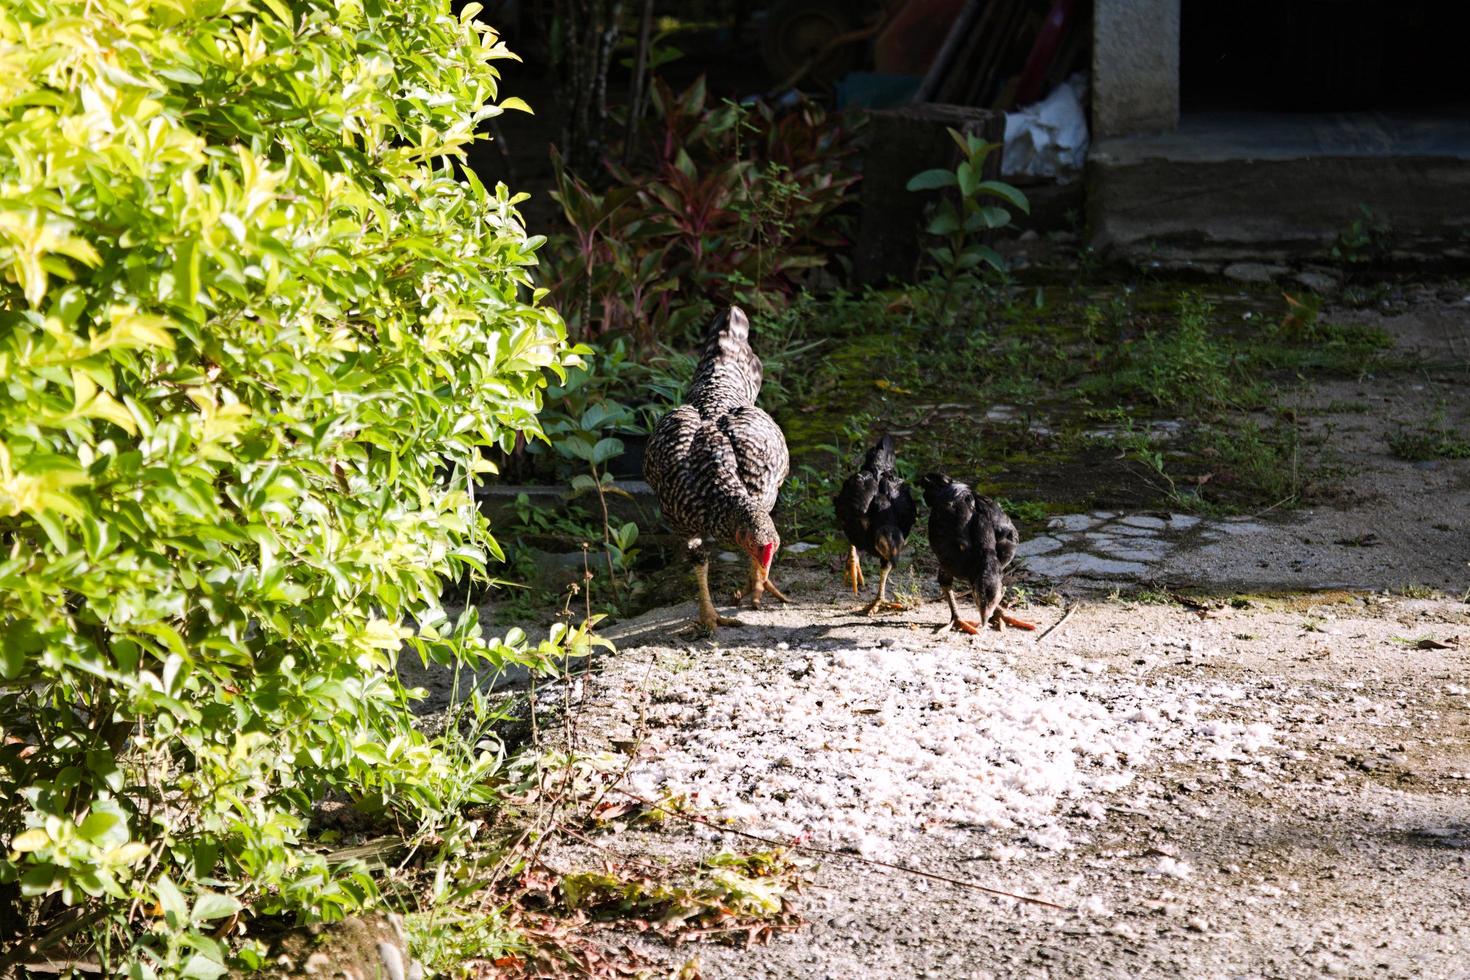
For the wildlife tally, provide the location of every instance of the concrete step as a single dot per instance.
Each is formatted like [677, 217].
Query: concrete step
[1275, 187]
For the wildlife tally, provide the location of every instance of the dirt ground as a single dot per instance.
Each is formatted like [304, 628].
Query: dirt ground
[1269, 779]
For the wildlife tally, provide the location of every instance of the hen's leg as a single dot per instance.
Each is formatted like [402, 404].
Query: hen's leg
[955, 622]
[753, 587]
[708, 617]
[757, 583]
[770, 587]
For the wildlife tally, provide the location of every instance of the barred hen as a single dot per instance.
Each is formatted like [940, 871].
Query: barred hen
[717, 463]
[876, 512]
[974, 541]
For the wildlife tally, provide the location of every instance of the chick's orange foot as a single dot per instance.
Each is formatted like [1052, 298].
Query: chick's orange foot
[885, 605]
[960, 626]
[1003, 619]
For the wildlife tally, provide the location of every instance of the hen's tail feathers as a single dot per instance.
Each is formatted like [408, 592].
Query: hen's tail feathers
[731, 323]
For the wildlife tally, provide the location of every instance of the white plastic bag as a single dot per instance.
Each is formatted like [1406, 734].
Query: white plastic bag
[1048, 138]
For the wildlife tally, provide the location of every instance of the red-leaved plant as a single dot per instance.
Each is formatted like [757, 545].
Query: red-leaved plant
[732, 202]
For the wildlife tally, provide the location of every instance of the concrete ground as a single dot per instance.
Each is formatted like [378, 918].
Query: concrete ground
[1299, 805]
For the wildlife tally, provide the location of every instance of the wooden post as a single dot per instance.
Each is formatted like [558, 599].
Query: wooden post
[902, 142]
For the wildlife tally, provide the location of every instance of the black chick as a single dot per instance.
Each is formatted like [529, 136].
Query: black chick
[877, 513]
[974, 541]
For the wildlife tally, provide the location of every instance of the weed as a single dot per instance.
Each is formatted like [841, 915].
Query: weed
[1302, 342]
[1433, 440]
[907, 590]
[1417, 591]
[1183, 369]
[1023, 511]
[446, 940]
[725, 895]
[1364, 241]
[1254, 464]
[728, 195]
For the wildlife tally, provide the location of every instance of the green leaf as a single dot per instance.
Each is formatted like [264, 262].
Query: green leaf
[994, 217]
[97, 824]
[930, 180]
[943, 223]
[212, 905]
[1006, 192]
[968, 178]
[201, 967]
[605, 450]
[41, 879]
[30, 840]
[171, 900]
[988, 255]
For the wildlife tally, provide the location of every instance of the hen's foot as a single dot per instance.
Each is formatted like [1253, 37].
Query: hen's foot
[754, 593]
[886, 605]
[709, 620]
[757, 585]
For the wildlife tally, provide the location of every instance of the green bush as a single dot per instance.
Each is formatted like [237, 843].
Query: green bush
[256, 324]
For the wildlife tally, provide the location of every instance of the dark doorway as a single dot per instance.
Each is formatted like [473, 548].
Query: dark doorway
[1323, 55]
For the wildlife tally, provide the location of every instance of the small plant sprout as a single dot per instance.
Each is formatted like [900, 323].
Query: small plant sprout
[961, 229]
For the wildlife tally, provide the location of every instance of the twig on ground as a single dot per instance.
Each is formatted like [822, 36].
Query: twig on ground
[1066, 614]
[857, 858]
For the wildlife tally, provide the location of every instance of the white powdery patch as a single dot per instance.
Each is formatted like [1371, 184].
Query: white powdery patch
[1172, 867]
[864, 747]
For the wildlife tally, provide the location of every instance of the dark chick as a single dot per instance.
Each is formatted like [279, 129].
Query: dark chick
[974, 541]
[717, 463]
[876, 512]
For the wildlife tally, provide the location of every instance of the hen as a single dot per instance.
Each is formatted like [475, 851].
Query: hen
[974, 541]
[717, 463]
[876, 512]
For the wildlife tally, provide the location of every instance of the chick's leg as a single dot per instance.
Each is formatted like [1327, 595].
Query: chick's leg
[955, 622]
[708, 617]
[854, 570]
[880, 601]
